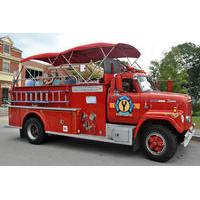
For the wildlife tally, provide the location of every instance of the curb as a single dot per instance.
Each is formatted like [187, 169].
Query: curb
[196, 137]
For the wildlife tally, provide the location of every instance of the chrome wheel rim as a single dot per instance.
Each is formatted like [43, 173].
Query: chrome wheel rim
[32, 131]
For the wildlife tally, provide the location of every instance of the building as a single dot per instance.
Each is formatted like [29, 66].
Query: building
[10, 57]
[31, 69]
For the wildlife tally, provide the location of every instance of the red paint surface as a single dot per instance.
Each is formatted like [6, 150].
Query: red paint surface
[150, 105]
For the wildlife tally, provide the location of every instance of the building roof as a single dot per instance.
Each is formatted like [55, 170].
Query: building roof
[8, 39]
[17, 49]
[34, 64]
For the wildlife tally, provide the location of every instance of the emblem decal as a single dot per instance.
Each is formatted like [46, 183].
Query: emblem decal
[124, 106]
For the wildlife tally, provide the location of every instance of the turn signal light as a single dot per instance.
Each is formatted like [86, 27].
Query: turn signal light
[175, 109]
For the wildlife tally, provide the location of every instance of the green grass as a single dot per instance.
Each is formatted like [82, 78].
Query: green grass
[196, 120]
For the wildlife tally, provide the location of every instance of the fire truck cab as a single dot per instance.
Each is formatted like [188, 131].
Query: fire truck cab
[122, 107]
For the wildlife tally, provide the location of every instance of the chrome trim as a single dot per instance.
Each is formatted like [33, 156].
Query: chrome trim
[44, 108]
[189, 135]
[120, 133]
[108, 138]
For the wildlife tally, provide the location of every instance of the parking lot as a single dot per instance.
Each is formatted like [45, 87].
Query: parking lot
[68, 151]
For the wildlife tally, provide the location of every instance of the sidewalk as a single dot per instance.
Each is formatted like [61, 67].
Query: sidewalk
[3, 111]
[197, 134]
[3, 121]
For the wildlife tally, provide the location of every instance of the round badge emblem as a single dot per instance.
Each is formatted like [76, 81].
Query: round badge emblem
[124, 105]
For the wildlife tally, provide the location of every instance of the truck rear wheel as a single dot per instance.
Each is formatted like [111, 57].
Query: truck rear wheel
[21, 133]
[158, 143]
[34, 131]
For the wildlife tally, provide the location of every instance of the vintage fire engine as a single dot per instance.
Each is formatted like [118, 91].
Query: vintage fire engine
[122, 107]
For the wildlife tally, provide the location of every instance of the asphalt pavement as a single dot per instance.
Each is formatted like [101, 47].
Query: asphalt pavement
[63, 151]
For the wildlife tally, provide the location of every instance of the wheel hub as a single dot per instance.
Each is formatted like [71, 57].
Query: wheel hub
[155, 143]
[33, 131]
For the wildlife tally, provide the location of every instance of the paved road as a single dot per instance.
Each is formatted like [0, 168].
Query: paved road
[68, 151]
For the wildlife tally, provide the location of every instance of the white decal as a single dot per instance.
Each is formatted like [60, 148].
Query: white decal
[95, 88]
[91, 99]
[65, 128]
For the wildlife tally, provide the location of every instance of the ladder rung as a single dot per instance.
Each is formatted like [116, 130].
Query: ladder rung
[41, 96]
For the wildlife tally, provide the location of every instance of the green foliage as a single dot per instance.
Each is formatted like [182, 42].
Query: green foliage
[196, 109]
[170, 68]
[196, 120]
[154, 68]
[90, 71]
[182, 65]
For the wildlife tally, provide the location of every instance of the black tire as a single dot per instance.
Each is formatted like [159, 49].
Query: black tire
[21, 133]
[158, 143]
[34, 131]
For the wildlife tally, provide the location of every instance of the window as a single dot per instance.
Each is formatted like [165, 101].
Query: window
[5, 95]
[144, 83]
[6, 66]
[30, 73]
[127, 84]
[6, 48]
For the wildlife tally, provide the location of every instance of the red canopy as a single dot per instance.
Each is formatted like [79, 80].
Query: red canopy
[86, 53]
[46, 57]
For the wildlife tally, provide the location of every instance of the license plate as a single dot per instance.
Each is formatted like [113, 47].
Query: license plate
[188, 137]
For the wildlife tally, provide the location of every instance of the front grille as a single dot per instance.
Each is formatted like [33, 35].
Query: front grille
[189, 108]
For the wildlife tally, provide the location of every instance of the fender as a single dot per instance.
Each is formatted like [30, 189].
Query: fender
[39, 114]
[159, 116]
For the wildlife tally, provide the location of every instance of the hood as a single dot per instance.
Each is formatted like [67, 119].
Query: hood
[166, 97]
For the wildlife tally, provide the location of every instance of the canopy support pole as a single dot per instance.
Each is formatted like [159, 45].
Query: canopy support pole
[68, 61]
[105, 57]
[52, 63]
[137, 63]
[17, 79]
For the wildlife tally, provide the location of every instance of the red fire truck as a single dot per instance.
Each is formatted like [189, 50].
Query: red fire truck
[122, 107]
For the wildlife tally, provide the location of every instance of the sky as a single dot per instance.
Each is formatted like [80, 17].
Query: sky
[151, 26]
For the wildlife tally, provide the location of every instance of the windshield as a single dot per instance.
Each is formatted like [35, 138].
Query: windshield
[145, 84]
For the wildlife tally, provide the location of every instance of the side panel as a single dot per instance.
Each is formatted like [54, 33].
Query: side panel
[92, 101]
[64, 121]
[14, 117]
[123, 108]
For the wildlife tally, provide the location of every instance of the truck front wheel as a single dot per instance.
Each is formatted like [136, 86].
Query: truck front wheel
[34, 131]
[158, 143]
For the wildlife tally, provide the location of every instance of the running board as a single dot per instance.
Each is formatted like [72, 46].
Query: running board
[115, 133]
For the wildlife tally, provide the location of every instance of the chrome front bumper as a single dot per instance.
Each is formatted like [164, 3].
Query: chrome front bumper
[188, 135]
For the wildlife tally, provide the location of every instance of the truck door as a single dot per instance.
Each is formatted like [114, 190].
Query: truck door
[123, 107]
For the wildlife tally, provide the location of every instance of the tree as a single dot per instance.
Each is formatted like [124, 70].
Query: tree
[190, 59]
[154, 68]
[169, 68]
[182, 65]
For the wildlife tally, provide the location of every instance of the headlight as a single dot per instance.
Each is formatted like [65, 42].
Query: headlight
[182, 118]
[188, 119]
